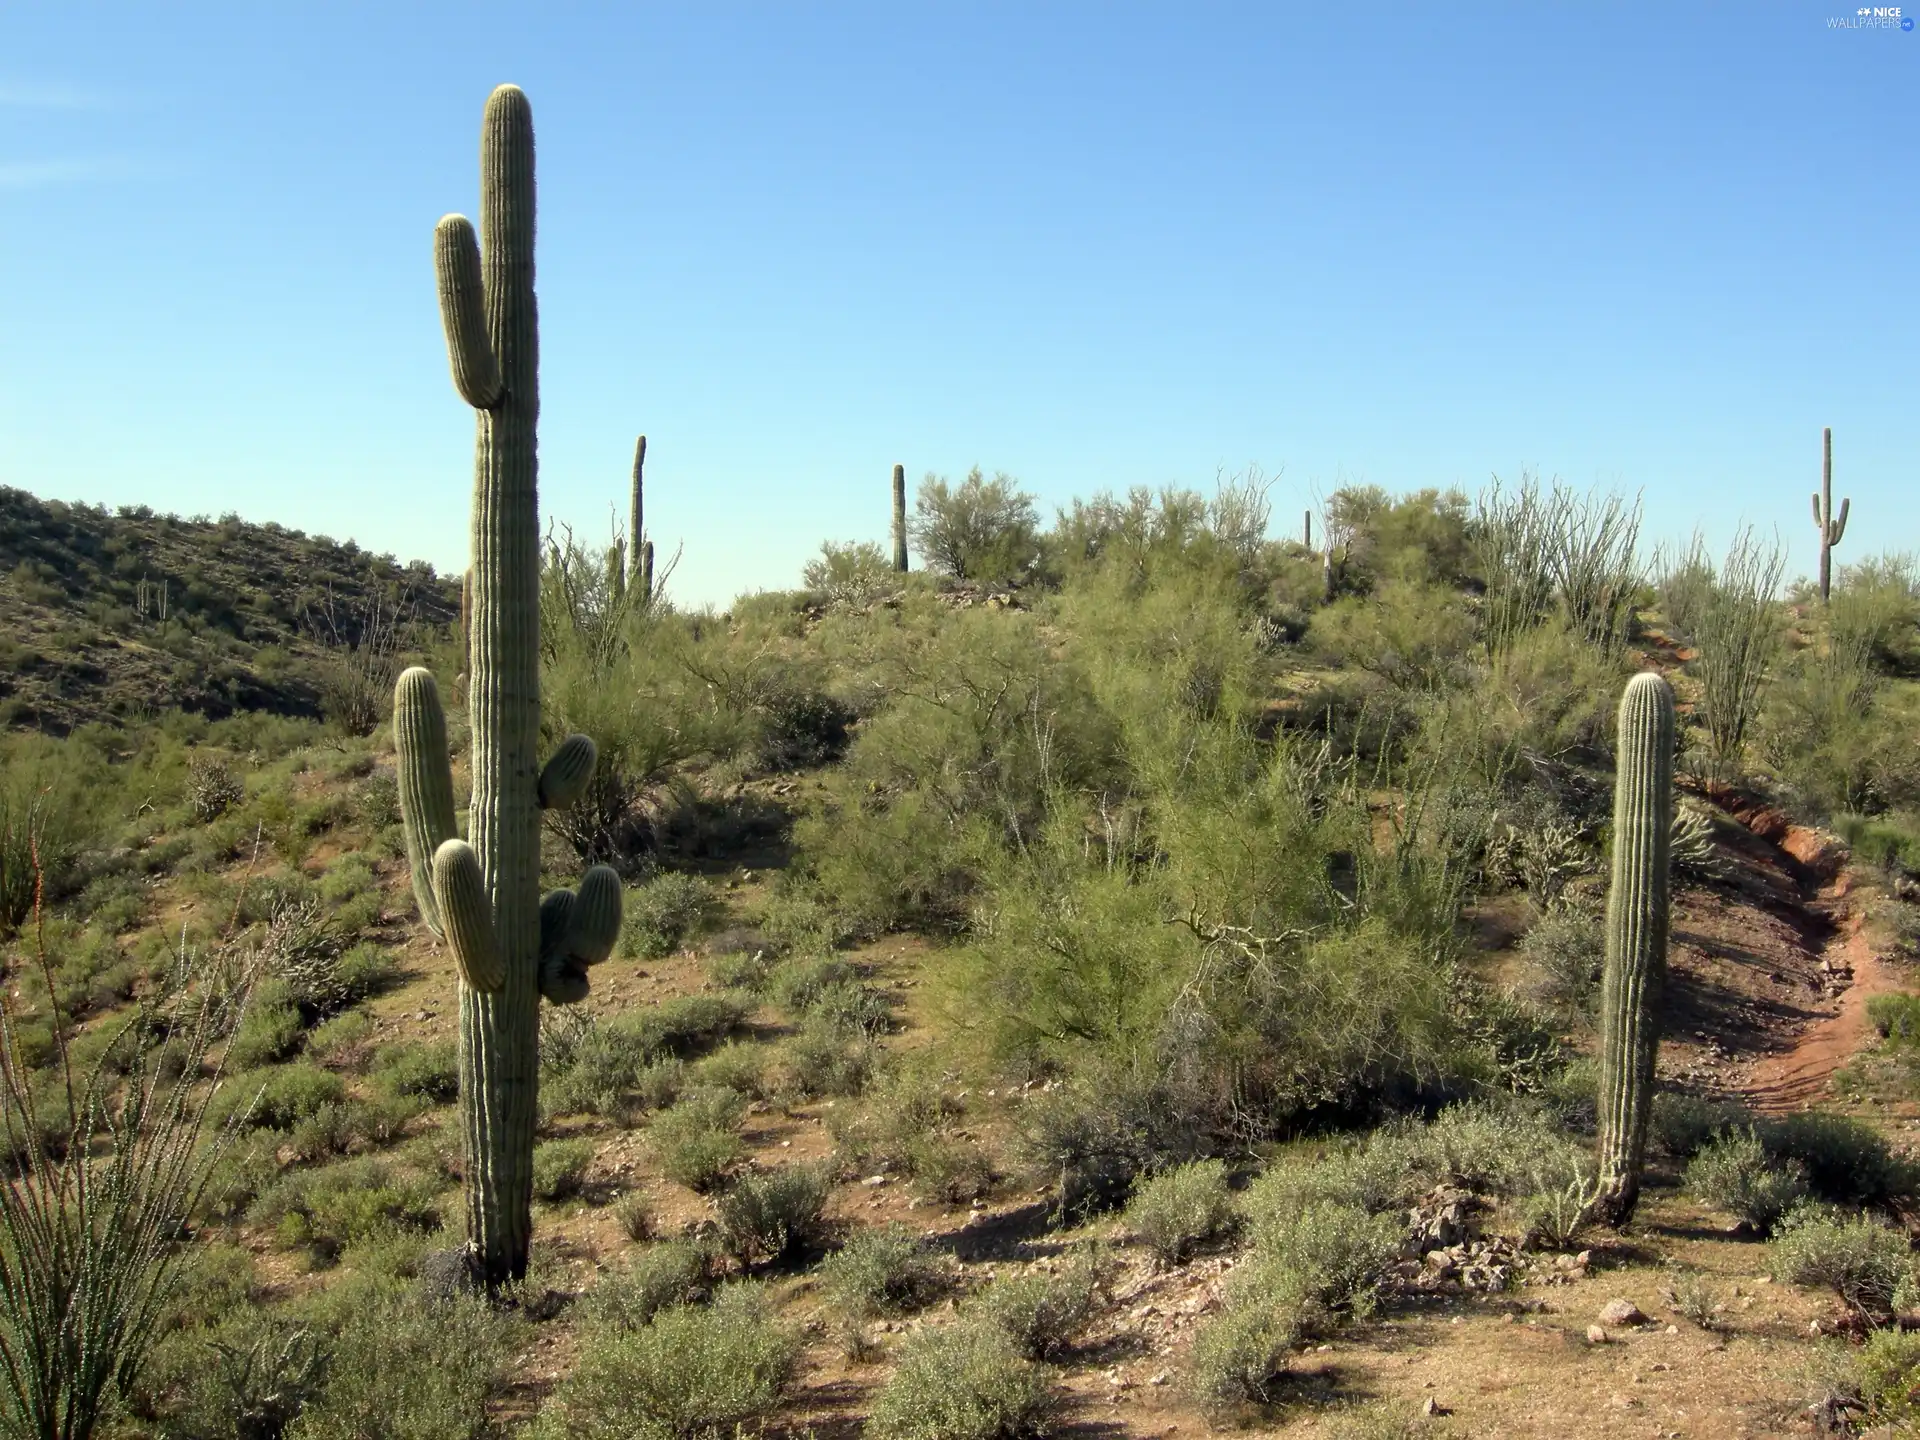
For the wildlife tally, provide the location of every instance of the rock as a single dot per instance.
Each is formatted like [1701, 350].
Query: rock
[445, 1274]
[1595, 1335]
[1621, 1313]
[1434, 1407]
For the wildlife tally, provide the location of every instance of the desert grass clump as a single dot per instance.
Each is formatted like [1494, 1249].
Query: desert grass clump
[1864, 1261]
[963, 1381]
[768, 1216]
[1734, 1172]
[690, 1374]
[1177, 1211]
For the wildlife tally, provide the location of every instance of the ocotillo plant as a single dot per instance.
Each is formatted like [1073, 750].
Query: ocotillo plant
[900, 518]
[1830, 526]
[1636, 965]
[636, 515]
[510, 946]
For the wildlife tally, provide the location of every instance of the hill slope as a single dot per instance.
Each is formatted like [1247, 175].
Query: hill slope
[107, 615]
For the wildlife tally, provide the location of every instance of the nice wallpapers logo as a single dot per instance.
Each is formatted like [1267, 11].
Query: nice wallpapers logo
[1872, 17]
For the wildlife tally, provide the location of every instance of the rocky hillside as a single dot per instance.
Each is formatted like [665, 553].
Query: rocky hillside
[107, 615]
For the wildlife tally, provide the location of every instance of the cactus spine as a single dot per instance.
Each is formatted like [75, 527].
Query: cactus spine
[636, 516]
[900, 518]
[484, 896]
[1830, 526]
[1637, 916]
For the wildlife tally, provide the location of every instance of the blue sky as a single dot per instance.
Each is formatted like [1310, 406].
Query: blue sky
[1648, 247]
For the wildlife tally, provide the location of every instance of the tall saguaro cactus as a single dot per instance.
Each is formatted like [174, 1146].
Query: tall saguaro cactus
[1637, 918]
[900, 518]
[510, 946]
[636, 515]
[1830, 526]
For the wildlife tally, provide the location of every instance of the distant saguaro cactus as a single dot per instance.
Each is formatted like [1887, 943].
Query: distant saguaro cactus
[509, 944]
[900, 518]
[646, 573]
[638, 517]
[1831, 527]
[1637, 918]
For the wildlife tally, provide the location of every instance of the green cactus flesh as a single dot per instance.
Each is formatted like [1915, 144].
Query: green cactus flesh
[483, 893]
[900, 518]
[1637, 921]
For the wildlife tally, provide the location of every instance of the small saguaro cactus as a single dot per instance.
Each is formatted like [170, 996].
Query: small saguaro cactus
[482, 894]
[1830, 526]
[900, 518]
[1637, 918]
[646, 573]
[638, 515]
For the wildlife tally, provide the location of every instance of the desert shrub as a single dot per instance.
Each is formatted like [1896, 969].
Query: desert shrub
[1734, 1173]
[1558, 1203]
[738, 1065]
[1880, 1379]
[949, 1169]
[800, 726]
[1696, 1297]
[883, 1272]
[796, 986]
[635, 1216]
[659, 915]
[672, 1272]
[1239, 1353]
[1847, 1161]
[963, 1381]
[826, 1058]
[1875, 608]
[280, 1096]
[339, 1127]
[404, 1370]
[269, 1032]
[1896, 1017]
[1413, 636]
[431, 1071]
[697, 1140]
[559, 1167]
[1567, 945]
[1864, 1261]
[1178, 1210]
[1040, 1312]
[854, 574]
[979, 529]
[691, 1374]
[740, 968]
[906, 1105]
[1681, 1124]
[771, 1215]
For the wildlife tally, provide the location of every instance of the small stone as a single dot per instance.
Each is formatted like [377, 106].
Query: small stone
[1434, 1407]
[1159, 1379]
[874, 1181]
[1621, 1313]
[1673, 1329]
[1595, 1335]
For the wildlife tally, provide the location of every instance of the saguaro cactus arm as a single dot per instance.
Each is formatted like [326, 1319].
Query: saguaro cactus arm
[1637, 927]
[425, 782]
[463, 295]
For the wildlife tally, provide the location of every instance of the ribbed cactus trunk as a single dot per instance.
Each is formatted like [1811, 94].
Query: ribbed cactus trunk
[646, 573]
[636, 514]
[484, 896]
[900, 518]
[1637, 919]
[1831, 527]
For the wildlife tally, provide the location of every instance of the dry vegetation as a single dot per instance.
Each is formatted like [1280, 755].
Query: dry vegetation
[1129, 989]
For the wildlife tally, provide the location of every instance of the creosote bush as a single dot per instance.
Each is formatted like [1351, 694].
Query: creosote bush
[773, 1214]
[1733, 1172]
[1180, 1209]
[1864, 1261]
[962, 1381]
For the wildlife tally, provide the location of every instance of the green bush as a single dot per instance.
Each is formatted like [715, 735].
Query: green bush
[1567, 946]
[767, 1216]
[405, 1370]
[697, 1140]
[281, 1096]
[1042, 1313]
[1179, 1210]
[1681, 1124]
[883, 1272]
[963, 1381]
[1734, 1173]
[1881, 1378]
[1847, 1161]
[1864, 1261]
[431, 1071]
[658, 916]
[672, 1272]
[828, 1058]
[738, 1065]
[270, 1032]
[559, 1167]
[1896, 1017]
[691, 1374]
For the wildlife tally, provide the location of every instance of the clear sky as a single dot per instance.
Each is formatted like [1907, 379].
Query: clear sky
[1653, 247]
